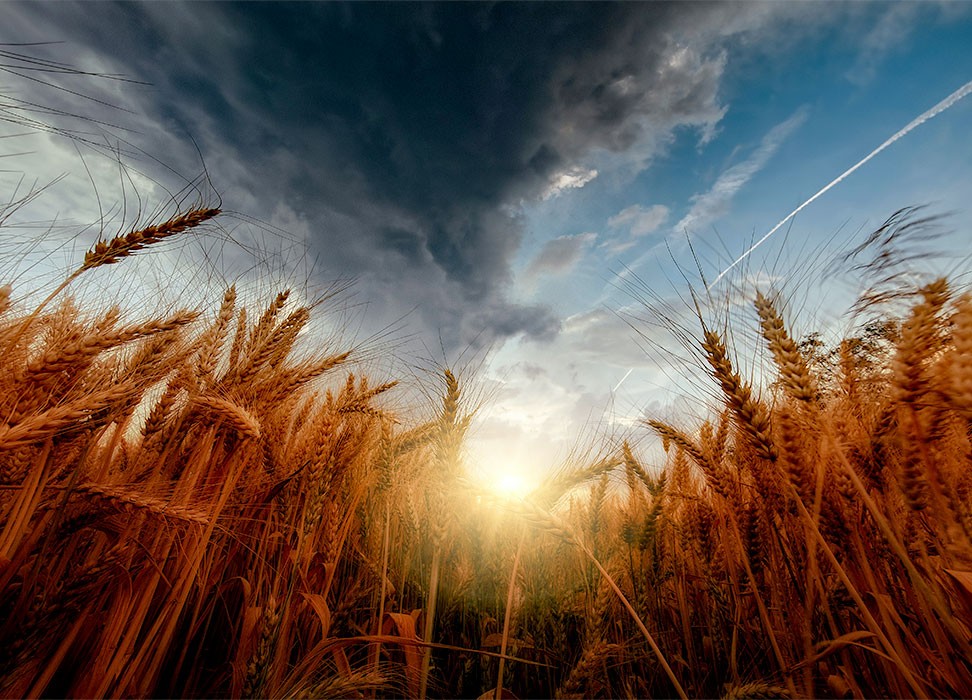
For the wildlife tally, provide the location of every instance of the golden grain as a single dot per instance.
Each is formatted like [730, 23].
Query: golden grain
[185, 519]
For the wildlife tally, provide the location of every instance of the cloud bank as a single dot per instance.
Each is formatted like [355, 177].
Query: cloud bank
[402, 137]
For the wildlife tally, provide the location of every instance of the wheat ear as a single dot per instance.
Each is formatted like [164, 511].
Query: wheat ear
[83, 349]
[751, 416]
[919, 336]
[6, 291]
[128, 498]
[241, 420]
[62, 419]
[715, 475]
[756, 690]
[109, 252]
[960, 368]
[792, 366]
[211, 344]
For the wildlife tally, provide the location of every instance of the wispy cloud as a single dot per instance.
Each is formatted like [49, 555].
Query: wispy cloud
[708, 207]
[635, 222]
[945, 104]
[560, 255]
[640, 220]
[889, 32]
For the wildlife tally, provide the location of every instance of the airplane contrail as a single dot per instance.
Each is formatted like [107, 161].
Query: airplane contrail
[918, 121]
[615, 389]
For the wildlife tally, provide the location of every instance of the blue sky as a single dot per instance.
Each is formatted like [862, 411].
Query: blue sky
[795, 119]
[504, 180]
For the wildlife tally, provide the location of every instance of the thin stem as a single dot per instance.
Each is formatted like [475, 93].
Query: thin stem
[384, 579]
[641, 625]
[430, 620]
[506, 618]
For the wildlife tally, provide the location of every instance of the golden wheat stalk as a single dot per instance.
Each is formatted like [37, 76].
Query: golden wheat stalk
[794, 372]
[270, 347]
[756, 690]
[594, 656]
[129, 498]
[715, 476]
[751, 416]
[361, 403]
[6, 291]
[244, 422]
[920, 334]
[110, 252]
[958, 384]
[211, 344]
[266, 321]
[286, 381]
[75, 354]
[61, 420]
[121, 246]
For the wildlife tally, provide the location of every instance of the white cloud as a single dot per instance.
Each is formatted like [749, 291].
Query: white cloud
[618, 247]
[571, 179]
[708, 207]
[640, 220]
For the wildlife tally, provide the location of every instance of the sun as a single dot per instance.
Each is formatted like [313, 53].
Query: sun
[506, 477]
[510, 484]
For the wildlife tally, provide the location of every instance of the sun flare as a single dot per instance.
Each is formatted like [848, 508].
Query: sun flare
[510, 484]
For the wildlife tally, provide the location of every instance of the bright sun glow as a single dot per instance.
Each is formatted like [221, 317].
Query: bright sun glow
[511, 485]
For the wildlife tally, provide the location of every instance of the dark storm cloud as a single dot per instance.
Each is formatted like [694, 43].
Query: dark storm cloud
[405, 134]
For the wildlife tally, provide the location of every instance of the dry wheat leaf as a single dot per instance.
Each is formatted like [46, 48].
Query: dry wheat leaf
[404, 625]
[962, 584]
[319, 604]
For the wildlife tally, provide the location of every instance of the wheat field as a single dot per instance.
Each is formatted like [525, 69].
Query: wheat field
[190, 508]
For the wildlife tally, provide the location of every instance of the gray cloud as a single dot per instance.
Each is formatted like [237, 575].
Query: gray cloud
[560, 255]
[401, 136]
[604, 336]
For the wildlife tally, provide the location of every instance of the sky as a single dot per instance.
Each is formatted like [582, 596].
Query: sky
[519, 190]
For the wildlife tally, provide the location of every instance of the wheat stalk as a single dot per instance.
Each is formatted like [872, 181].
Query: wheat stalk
[919, 336]
[75, 354]
[715, 475]
[122, 246]
[211, 345]
[751, 417]
[129, 499]
[756, 690]
[110, 252]
[244, 422]
[793, 368]
[959, 380]
[61, 420]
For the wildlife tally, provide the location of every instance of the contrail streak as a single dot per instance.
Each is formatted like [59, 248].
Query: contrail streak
[615, 389]
[921, 119]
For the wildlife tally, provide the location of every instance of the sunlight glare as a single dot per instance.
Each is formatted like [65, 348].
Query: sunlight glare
[510, 484]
